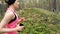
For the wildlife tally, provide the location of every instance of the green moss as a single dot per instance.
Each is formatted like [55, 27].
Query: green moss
[40, 21]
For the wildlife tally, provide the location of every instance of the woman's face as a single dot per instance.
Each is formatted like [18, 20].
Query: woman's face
[16, 4]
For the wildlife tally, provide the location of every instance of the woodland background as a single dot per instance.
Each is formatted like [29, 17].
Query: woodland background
[42, 16]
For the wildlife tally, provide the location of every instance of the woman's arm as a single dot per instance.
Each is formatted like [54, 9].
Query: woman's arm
[8, 29]
[18, 28]
[8, 16]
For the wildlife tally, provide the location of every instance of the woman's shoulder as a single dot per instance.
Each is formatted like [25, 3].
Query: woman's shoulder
[9, 13]
[10, 10]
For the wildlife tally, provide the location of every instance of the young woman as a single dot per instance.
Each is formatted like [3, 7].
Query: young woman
[9, 24]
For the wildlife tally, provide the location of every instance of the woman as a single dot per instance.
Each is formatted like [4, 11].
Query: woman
[9, 24]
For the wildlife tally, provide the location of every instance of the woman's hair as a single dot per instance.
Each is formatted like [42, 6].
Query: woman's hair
[10, 2]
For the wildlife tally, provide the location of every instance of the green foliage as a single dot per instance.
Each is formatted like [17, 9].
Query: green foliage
[0, 18]
[39, 21]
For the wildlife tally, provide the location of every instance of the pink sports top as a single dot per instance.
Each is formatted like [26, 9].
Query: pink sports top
[13, 23]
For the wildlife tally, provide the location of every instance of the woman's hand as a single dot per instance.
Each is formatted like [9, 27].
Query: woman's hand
[20, 28]
[22, 19]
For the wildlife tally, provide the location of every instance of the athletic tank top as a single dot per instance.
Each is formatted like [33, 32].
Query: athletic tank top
[13, 23]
